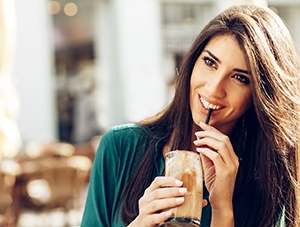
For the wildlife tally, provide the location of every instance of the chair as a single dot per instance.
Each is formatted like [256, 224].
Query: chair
[8, 171]
[89, 148]
[57, 183]
[37, 149]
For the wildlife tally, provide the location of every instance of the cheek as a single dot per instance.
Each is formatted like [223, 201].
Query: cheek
[245, 101]
[192, 87]
[192, 82]
[196, 81]
[195, 85]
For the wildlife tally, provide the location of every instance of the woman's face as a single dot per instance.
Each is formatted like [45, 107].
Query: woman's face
[220, 80]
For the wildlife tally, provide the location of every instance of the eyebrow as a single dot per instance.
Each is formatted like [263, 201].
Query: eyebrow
[219, 61]
[241, 71]
[213, 56]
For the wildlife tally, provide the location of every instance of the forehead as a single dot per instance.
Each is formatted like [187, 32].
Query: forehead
[227, 50]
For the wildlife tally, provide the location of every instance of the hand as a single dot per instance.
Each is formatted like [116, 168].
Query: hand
[159, 198]
[220, 165]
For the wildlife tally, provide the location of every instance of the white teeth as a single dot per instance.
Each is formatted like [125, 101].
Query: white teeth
[208, 105]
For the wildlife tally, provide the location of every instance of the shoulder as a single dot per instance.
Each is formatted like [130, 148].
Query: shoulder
[123, 142]
[125, 130]
[128, 128]
[124, 136]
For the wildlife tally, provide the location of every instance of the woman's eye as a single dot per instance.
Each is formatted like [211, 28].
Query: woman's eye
[242, 79]
[209, 62]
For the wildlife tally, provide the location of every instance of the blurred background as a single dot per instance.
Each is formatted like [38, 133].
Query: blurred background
[69, 70]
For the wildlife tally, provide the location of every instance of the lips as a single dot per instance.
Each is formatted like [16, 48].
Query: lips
[208, 105]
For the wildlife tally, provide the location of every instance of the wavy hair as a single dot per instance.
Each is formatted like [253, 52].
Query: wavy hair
[265, 138]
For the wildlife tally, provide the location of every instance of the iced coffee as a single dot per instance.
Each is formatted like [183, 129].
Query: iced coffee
[186, 166]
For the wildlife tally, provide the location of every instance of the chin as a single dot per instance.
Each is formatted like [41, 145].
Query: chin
[197, 120]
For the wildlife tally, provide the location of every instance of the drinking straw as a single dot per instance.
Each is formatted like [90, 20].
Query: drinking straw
[208, 115]
[207, 120]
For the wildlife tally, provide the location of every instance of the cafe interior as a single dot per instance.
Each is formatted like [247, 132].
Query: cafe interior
[69, 70]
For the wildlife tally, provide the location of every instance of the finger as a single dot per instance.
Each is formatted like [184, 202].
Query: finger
[210, 131]
[206, 162]
[223, 144]
[215, 157]
[222, 169]
[157, 218]
[161, 204]
[162, 193]
[217, 146]
[223, 148]
[166, 192]
[163, 181]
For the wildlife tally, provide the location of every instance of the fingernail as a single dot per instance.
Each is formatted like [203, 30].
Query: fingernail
[168, 213]
[179, 200]
[182, 190]
[178, 182]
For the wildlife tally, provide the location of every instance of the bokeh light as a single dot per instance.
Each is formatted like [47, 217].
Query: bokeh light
[54, 7]
[71, 9]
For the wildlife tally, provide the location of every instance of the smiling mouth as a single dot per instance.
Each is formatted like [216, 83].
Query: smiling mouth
[208, 105]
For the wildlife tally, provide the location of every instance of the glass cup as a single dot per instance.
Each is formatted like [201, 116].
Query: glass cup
[186, 166]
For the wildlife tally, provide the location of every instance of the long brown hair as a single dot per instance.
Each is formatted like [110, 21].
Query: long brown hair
[265, 138]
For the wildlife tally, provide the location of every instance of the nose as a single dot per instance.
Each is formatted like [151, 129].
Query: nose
[216, 85]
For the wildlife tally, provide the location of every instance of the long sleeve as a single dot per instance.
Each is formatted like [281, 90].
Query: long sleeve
[118, 155]
[101, 197]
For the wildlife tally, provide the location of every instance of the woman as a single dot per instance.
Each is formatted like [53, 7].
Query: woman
[243, 65]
